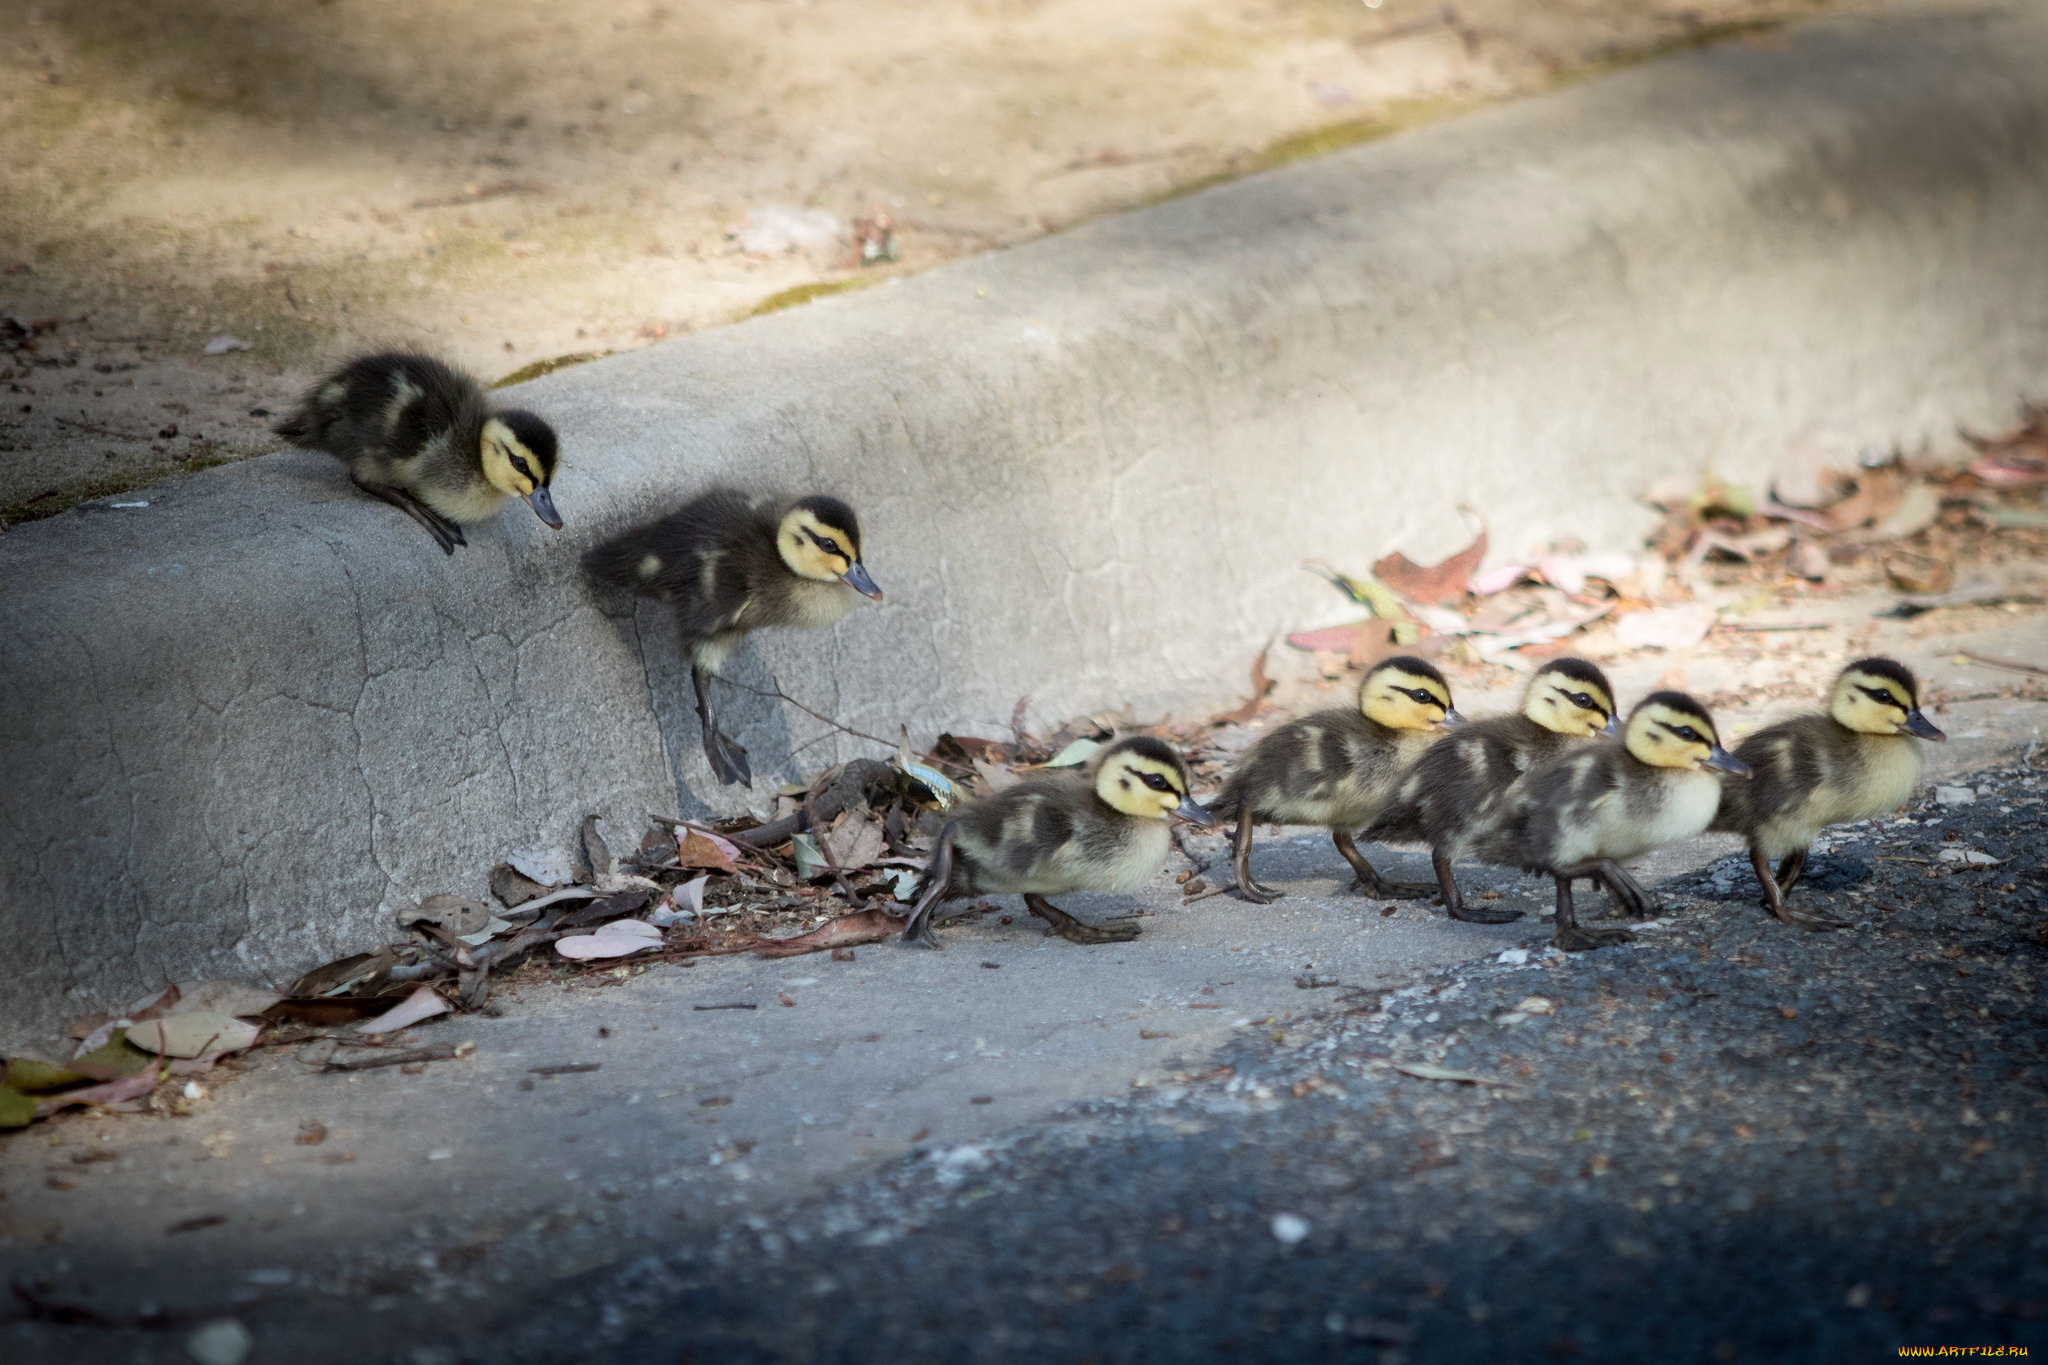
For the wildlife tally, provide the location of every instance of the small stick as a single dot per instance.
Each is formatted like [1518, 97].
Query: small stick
[777, 692]
[1971, 654]
[437, 1052]
[564, 1068]
[736, 1005]
[98, 430]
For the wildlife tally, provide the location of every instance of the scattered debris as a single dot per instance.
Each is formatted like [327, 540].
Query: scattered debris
[224, 343]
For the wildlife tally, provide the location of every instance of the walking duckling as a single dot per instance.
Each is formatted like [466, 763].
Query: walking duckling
[727, 563]
[1106, 828]
[1856, 760]
[1582, 813]
[1339, 768]
[422, 435]
[1459, 788]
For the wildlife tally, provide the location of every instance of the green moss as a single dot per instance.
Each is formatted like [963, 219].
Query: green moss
[66, 496]
[804, 293]
[541, 367]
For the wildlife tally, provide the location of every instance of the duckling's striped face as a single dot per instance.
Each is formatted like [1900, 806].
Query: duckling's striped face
[1407, 694]
[518, 453]
[819, 539]
[1570, 697]
[1144, 777]
[1671, 730]
[1881, 697]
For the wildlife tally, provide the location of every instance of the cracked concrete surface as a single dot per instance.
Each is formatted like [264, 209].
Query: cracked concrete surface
[255, 716]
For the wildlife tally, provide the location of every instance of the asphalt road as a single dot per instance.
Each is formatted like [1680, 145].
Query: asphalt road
[1731, 1141]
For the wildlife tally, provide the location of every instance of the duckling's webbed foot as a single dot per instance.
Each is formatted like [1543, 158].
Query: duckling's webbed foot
[1570, 936]
[1775, 888]
[1073, 930]
[727, 758]
[446, 533]
[1241, 864]
[1454, 900]
[938, 878]
[1789, 871]
[1370, 881]
[1630, 896]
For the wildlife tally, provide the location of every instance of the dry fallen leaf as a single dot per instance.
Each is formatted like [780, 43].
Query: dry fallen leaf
[199, 1033]
[869, 926]
[1665, 627]
[1437, 585]
[423, 1003]
[620, 938]
[696, 849]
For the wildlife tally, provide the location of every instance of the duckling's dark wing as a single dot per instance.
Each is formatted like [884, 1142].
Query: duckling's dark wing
[1789, 762]
[1015, 831]
[1307, 759]
[1460, 779]
[1548, 801]
[389, 406]
[694, 557]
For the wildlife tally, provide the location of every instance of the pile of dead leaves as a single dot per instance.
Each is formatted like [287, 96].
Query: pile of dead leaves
[832, 867]
[1722, 549]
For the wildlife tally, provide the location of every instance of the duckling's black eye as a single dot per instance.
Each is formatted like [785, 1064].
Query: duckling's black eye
[1686, 733]
[1155, 782]
[1420, 695]
[1582, 701]
[1878, 694]
[828, 545]
[521, 466]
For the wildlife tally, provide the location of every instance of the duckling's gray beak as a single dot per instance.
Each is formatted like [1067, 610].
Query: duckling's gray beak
[1611, 728]
[1917, 724]
[1728, 763]
[857, 579]
[543, 504]
[1194, 814]
[1453, 718]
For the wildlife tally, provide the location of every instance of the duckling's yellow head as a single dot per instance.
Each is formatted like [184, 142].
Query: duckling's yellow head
[1671, 730]
[1146, 777]
[1407, 693]
[1880, 697]
[518, 451]
[1571, 697]
[819, 539]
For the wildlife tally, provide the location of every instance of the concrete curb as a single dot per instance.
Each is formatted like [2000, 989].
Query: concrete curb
[252, 718]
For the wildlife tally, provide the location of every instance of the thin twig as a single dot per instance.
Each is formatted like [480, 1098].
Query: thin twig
[437, 1052]
[98, 430]
[777, 692]
[2009, 664]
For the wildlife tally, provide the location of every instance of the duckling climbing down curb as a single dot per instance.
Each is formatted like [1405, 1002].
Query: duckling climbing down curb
[1852, 762]
[423, 436]
[1338, 768]
[1105, 829]
[728, 563]
[1582, 814]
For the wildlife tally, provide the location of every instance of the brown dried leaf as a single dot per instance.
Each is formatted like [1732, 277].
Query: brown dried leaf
[1877, 493]
[869, 926]
[1262, 687]
[348, 971]
[855, 840]
[1919, 573]
[694, 849]
[1437, 585]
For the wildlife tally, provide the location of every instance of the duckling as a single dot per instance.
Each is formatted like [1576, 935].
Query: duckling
[1459, 787]
[1852, 762]
[1106, 828]
[422, 436]
[1582, 813]
[1339, 768]
[728, 563]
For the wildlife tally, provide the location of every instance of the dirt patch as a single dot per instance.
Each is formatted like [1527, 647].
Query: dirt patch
[516, 183]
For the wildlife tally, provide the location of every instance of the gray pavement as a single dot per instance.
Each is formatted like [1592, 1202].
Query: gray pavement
[252, 718]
